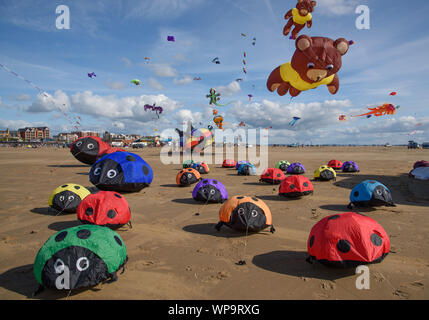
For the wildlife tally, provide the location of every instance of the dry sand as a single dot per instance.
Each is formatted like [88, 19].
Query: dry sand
[174, 254]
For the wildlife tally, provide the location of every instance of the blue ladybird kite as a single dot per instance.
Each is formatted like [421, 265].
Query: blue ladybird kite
[370, 193]
[121, 172]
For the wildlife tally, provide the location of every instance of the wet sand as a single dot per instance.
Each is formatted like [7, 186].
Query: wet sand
[174, 254]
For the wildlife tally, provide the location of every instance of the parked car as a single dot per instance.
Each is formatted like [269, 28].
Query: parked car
[425, 145]
[413, 145]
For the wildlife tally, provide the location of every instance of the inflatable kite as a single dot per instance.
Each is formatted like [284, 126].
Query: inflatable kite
[348, 240]
[282, 165]
[386, 108]
[158, 110]
[342, 118]
[199, 140]
[370, 193]
[420, 173]
[188, 164]
[272, 176]
[171, 38]
[104, 208]
[228, 163]
[295, 186]
[216, 60]
[315, 62]
[298, 17]
[210, 191]
[421, 163]
[218, 120]
[79, 257]
[294, 120]
[136, 82]
[238, 163]
[121, 172]
[250, 97]
[214, 98]
[295, 168]
[350, 166]
[325, 173]
[89, 149]
[66, 198]
[246, 169]
[186, 177]
[245, 214]
[335, 164]
[202, 167]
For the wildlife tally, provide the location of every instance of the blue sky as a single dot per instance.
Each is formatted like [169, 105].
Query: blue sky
[112, 38]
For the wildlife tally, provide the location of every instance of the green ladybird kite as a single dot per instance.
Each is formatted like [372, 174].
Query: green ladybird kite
[79, 257]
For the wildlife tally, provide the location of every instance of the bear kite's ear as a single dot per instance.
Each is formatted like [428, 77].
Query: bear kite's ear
[342, 45]
[313, 3]
[303, 42]
[299, 1]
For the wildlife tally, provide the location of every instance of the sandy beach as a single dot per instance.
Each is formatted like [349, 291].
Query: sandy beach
[174, 254]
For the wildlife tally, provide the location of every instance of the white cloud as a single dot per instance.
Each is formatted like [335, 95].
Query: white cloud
[230, 89]
[160, 8]
[112, 107]
[127, 61]
[47, 103]
[115, 85]
[186, 115]
[185, 80]
[17, 124]
[336, 7]
[163, 70]
[155, 84]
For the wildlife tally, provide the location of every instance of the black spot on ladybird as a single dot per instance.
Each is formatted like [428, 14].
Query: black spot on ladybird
[83, 234]
[305, 184]
[64, 186]
[240, 197]
[60, 236]
[130, 158]
[376, 239]
[311, 241]
[89, 211]
[118, 241]
[292, 186]
[356, 193]
[336, 216]
[77, 187]
[343, 246]
[146, 170]
[117, 196]
[111, 214]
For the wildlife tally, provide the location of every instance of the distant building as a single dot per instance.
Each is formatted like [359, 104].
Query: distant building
[66, 137]
[8, 134]
[34, 133]
[81, 134]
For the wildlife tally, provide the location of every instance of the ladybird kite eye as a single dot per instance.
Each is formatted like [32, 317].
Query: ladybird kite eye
[212, 191]
[59, 266]
[254, 213]
[90, 146]
[329, 67]
[62, 198]
[189, 175]
[97, 171]
[241, 211]
[82, 264]
[71, 198]
[111, 173]
[79, 143]
[310, 65]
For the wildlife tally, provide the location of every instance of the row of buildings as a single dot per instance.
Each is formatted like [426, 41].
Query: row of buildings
[26, 134]
[42, 134]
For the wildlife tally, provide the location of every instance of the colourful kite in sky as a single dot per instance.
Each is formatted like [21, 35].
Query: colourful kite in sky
[295, 119]
[386, 108]
[91, 75]
[214, 98]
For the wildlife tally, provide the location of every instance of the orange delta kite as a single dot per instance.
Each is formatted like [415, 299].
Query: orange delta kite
[386, 108]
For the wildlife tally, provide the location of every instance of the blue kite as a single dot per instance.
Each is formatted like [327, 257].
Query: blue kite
[295, 119]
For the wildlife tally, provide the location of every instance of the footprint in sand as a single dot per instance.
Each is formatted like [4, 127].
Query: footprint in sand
[402, 294]
[327, 285]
